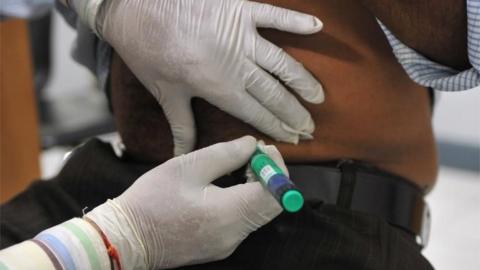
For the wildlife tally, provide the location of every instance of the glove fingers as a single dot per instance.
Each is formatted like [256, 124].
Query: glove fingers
[210, 163]
[255, 205]
[178, 112]
[269, 16]
[278, 100]
[288, 70]
[249, 110]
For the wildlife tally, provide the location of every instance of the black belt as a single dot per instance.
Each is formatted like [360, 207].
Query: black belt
[359, 187]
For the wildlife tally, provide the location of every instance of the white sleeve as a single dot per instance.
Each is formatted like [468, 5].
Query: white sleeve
[439, 77]
[24, 256]
[74, 244]
[25, 9]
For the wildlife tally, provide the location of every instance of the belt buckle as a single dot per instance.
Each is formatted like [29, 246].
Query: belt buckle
[424, 236]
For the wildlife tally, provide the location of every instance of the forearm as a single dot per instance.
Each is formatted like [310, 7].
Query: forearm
[436, 29]
[14, 257]
[75, 244]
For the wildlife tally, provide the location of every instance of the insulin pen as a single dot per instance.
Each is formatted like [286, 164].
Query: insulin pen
[273, 178]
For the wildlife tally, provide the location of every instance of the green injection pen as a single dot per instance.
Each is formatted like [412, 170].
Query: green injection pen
[272, 177]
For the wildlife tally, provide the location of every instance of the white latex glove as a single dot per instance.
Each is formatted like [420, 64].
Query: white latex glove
[211, 49]
[174, 216]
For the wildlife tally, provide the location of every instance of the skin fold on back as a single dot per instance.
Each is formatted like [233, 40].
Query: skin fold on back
[372, 111]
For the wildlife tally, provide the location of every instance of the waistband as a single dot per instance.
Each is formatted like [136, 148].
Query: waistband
[359, 187]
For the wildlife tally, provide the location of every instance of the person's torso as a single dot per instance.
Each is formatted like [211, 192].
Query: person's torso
[373, 112]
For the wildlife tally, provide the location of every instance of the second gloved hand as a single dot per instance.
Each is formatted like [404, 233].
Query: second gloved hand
[174, 216]
[211, 49]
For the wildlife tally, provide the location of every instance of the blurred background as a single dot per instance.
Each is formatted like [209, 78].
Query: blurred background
[71, 108]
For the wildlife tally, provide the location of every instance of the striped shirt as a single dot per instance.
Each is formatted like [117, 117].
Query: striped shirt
[440, 77]
[96, 55]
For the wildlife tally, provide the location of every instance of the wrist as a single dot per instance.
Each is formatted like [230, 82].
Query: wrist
[112, 220]
[111, 250]
[88, 11]
[74, 244]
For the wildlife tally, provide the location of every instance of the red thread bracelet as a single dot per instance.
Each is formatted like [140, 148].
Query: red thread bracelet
[111, 250]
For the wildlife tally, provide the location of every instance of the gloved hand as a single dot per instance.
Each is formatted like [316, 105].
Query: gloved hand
[210, 49]
[174, 216]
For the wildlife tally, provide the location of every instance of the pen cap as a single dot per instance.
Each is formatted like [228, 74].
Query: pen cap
[289, 197]
[292, 201]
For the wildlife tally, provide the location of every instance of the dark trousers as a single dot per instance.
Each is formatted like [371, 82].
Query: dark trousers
[319, 237]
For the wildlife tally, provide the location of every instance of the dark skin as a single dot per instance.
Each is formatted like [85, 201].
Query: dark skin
[436, 29]
[373, 112]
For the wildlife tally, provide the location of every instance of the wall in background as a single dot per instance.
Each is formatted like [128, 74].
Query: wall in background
[457, 127]
[457, 117]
